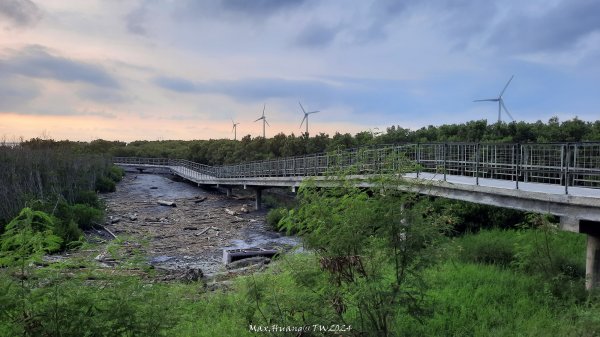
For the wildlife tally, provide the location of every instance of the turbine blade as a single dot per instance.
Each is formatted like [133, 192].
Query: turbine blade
[313, 112]
[267, 122]
[301, 107]
[486, 100]
[506, 86]
[258, 119]
[303, 119]
[506, 110]
[264, 107]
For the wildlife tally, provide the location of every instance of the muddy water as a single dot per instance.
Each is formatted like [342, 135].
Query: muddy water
[194, 233]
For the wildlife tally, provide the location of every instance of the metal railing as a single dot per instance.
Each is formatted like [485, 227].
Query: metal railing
[565, 164]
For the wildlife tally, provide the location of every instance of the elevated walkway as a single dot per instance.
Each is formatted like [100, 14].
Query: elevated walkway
[561, 179]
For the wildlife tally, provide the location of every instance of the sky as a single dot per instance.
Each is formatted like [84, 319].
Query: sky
[184, 69]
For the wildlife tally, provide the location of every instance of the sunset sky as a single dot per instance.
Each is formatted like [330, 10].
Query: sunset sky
[182, 69]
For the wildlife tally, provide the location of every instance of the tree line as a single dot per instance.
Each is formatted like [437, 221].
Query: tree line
[227, 151]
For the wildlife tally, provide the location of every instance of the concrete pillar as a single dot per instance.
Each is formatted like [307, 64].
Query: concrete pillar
[258, 198]
[229, 191]
[592, 262]
[569, 224]
[592, 259]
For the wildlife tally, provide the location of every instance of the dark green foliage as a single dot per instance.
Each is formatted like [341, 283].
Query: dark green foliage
[89, 198]
[115, 173]
[69, 232]
[550, 251]
[36, 172]
[373, 246]
[494, 246]
[105, 184]
[469, 217]
[274, 216]
[29, 235]
[545, 250]
[85, 216]
[69, 220]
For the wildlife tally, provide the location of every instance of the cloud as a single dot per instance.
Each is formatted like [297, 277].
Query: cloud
[136, 20]
[175, 84]
[560, 27]
[20, 12]
[316, 35]
[102, 95]
[235, 9]
[36, 62]
[259, 7]
[358, 95]
[253, 89]
[15, 92]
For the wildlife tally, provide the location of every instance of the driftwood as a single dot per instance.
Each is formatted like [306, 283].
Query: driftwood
[167, 203]
[230, 212]
[198, 200]
[106, 230]
[203, 231]
[207, 229]
[238, 219]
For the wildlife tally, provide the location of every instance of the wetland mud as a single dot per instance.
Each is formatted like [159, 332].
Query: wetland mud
[194, 230]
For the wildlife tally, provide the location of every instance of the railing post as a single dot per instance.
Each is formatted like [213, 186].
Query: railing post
[567, 162]
[418, 159]
[445, 158]
[562, 164]
[518, 163]
[477, 164]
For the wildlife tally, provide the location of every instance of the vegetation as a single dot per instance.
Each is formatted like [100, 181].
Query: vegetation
[378, 262]
[225, 151]
[58, 183]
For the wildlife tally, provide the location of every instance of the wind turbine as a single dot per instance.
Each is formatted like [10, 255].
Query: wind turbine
[500, 101]
[306, 116]
[234, 129]
[264, 119]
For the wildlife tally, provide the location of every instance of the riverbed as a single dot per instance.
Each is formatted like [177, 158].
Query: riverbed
[193, 232]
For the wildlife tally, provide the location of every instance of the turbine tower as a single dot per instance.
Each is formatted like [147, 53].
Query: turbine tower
[234, 129]
[264, 119]
[306, 116]
[500, 101]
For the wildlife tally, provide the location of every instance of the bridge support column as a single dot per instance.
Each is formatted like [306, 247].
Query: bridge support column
[569, 224]
[592, 260]
[229, 191]
[258, 201]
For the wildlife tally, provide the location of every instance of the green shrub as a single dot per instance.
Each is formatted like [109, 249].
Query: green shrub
[68, 231]
[115, 173]
[85, 215]
[89, 198]
[489, 247]
[274, 216]
[551, 252]
[105, 184]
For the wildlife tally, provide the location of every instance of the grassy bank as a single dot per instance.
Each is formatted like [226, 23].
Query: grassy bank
[464, 297]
